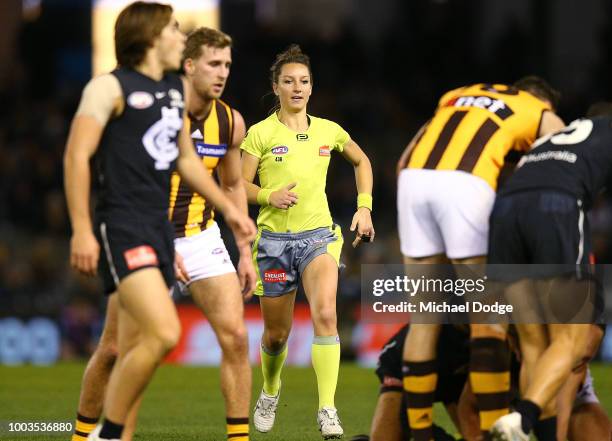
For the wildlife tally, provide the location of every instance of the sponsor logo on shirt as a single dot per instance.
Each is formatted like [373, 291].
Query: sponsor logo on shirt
[280, 150]
[301, 137]
[140, 256]
[324, 150]
[214, 150]
[218, 251]
[496, 106]
[275, 275]
[140, 100]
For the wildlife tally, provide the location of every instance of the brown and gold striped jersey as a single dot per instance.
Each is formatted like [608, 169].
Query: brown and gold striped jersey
[475, 127]
[189, 212]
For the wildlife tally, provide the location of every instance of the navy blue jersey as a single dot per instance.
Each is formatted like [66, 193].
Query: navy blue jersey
[576, 160]
[138, 150]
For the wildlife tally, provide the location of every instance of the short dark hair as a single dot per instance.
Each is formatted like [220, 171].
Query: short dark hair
[136, 28]
[601, 108]
[538, 87]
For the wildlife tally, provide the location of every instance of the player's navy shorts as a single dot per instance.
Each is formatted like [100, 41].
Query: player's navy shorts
[281, 258]
[453, 358]
[548, 228]
[131, 245]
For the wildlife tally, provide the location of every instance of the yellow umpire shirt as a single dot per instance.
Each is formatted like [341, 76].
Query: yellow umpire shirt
[286, 156]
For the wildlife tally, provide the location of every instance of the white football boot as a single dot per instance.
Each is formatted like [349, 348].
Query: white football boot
[265, 411]
[329, 423]
[509, 428]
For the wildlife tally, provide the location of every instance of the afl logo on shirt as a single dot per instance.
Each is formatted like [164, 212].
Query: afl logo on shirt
[140, 100]
[159, 140]
[280, 150]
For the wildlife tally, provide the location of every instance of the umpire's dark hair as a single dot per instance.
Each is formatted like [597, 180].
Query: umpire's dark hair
[538, 87]
[136, 28]
[601, 108]
[293, 54]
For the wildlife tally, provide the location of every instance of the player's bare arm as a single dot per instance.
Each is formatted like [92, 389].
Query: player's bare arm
[230, 176]
[362, 219]
[100, 101]
[232, 184]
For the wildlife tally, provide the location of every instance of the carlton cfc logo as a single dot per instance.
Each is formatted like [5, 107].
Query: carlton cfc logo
[159, 139]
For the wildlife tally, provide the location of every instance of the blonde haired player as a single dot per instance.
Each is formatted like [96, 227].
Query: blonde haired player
[290, 152]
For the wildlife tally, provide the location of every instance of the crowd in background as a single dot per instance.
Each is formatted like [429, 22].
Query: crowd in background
[379, 92]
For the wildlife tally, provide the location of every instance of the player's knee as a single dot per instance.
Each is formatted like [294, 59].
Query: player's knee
[107, 351]
[167, 338]
[235, 341]
[568, 348]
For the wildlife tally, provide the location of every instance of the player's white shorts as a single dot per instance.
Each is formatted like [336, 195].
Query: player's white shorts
[204, 254]
[586, 393]
[443, 212]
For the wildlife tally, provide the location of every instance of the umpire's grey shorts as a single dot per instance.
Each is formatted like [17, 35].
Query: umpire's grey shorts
[280, 258]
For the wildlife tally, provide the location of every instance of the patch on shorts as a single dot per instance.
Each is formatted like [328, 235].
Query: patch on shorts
[140, 256]
[275, 275]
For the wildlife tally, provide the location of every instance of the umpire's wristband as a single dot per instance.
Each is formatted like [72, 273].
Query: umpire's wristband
[364, 200]
[263, 197]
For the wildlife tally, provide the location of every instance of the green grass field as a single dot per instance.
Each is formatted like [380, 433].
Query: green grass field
[184, 403]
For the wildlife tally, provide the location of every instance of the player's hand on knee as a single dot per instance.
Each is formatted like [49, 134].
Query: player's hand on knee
[362, 222]
[246, 275]
[180, 271]
[284, 198]
[84, 252]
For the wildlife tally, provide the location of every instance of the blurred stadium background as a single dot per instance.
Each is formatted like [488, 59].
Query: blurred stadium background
[379, 68]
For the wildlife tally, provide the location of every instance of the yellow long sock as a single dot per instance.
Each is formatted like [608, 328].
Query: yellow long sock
[271, 367]
[326, 364]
